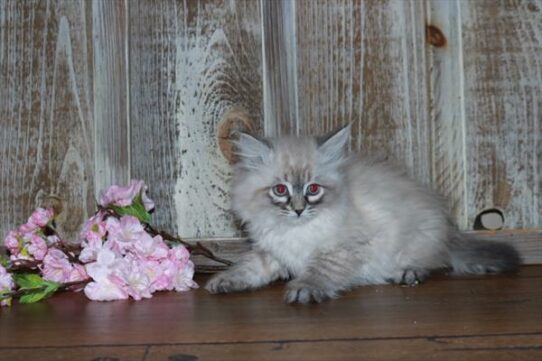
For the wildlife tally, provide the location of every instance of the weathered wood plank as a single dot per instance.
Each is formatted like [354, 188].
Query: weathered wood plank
[364, 62]
[484, 348]
[505, 305]
[191, 61]
[279, 68]
[502, 47]
[527, 241]
[505, 348]
[107, 353]
[111, 112]
[446, 112]
[46, 105]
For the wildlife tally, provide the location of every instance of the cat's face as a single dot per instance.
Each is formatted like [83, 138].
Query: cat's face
[290, 179]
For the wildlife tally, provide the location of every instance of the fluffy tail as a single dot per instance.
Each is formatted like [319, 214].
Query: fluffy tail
[480, 257]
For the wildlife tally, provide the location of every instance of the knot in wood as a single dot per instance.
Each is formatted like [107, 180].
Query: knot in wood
[435, 36]
[235, 120]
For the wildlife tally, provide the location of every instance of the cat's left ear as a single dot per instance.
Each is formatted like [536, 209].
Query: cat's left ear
[334, 146]
[251, 150]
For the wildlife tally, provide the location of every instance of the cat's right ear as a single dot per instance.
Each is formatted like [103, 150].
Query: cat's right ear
[334, 146]
[252, 151]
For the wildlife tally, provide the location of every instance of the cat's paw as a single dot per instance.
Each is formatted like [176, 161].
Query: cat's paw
[300, 292]
[412, 277]
[225, 282]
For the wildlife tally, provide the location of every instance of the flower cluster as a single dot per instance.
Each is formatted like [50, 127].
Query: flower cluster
[126, 261]
[117, 256]
[6, 286]
[29, 241]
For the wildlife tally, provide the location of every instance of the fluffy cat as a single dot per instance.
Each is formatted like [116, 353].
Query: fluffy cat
[329, 221]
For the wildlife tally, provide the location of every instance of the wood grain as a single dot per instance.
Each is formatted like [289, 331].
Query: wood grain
[364, 62]
[111, 101]
[279, 68]
[46, 105]
[484, 348]
[502, 43]
[190, 62]
[446, 108]
[108, 353]
[494, 318]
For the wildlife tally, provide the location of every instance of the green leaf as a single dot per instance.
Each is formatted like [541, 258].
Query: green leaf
[137, 209]
[4, 261]
[28, 280]
[47, 291]
[33, 297]
[24, 252]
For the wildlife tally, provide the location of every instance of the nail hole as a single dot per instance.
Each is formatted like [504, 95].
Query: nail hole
[489, 219]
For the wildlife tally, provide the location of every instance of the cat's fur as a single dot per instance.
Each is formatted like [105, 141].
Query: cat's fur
[371, 225]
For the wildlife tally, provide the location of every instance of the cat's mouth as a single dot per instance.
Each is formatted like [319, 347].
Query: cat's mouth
[295, 215]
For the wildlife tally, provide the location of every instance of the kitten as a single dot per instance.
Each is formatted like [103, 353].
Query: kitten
[330, 221]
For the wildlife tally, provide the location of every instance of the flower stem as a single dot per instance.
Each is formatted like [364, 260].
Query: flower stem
[195, 249]
[23, 264]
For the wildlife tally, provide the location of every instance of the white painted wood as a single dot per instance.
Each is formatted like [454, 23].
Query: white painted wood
[445, 68]
[502, 62]
[204, 61]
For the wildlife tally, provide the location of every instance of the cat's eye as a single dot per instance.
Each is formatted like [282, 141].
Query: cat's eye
[313, 189]
[280, 190]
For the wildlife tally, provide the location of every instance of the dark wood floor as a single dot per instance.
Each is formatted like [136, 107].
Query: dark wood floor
[493, 318]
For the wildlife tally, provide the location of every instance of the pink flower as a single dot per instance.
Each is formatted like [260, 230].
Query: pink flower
[124, 196]
[12, 242]
[183, 280]
[52, 240]
[94, 228]
[151, 248]
[78, 273]
[56, 266]
[28, 227]
[92, 234]
[177, 271]
[37, 247]
[90, 250]
[154, 270]
[41, 217]
[101, 271]
[179, 253]
[125, 233]
[6, 285]
[130, 277]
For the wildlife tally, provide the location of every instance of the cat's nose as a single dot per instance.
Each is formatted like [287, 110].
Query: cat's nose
[298, 211]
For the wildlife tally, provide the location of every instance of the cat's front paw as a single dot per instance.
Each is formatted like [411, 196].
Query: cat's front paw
[226, 282]
[300, 292]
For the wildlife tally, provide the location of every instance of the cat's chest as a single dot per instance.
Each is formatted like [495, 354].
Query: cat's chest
[294, 246]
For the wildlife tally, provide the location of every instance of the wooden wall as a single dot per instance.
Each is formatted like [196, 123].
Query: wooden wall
[94, 92]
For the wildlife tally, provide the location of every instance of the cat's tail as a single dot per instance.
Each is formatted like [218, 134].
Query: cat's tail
[475, 256]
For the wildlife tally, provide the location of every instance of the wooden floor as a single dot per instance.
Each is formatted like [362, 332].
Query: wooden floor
[493, 318]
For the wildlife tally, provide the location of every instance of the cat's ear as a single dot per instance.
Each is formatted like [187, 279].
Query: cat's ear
[334, 146]
[252, 151]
